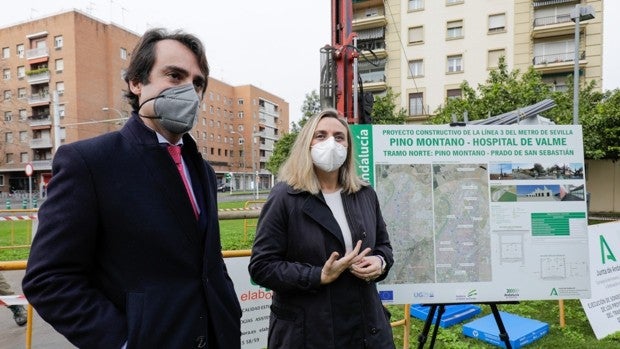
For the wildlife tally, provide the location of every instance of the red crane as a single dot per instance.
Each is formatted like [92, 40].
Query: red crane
[337, 63]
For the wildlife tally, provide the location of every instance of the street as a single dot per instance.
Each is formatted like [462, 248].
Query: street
[14, 337]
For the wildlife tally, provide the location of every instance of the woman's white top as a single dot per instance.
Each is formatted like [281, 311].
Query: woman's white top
[334, 201]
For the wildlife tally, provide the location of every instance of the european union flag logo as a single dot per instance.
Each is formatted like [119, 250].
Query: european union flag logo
[386, 295]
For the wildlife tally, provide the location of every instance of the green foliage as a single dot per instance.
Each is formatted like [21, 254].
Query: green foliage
[503, 91]
[384, 110]
[602, 128]
[281, 152]
[311, 106]
[576, 333]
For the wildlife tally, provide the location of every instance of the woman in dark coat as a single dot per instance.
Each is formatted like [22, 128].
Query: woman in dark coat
[321, 244]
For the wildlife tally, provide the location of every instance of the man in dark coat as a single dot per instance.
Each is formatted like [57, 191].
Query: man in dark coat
[126, 254]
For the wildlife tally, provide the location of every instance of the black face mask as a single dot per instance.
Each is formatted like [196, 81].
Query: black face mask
[176, 107]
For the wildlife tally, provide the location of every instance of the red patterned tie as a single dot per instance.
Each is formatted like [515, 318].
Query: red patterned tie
[175, 152]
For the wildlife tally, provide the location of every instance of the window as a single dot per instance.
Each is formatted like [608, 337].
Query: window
[240, 101]
[1, 180]
[21, 92]
[8, 137]
[454, 93]
[493, 58]
[20, 50]
[58, 41]
[61, 110]
[7, 95]
[8, 116]
[6, 74]
[23, 158]
[23, 114]
[455, 64]
[60, 65]
[8, 158]
[123, 53]
[415, 5]
[416, 35]
[60, 88]
[23, 136]
[240, 114]
[454, 30]
[21, 72]
[240, 128]
[497, 23]
[6, 52]
[416, 104]
[416, 68]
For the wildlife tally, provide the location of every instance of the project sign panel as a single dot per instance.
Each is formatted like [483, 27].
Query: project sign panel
[479, 213]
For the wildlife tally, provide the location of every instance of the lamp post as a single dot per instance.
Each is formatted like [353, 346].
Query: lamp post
[121, 118]
[242, 157]
[578, 14]
[254, 168]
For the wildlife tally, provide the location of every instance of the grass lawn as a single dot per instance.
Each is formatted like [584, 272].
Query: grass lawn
[239, 234]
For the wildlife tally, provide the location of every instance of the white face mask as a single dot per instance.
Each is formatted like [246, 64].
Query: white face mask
[328, 155]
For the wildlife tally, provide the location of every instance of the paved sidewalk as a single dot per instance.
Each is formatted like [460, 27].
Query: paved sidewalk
[14, 337]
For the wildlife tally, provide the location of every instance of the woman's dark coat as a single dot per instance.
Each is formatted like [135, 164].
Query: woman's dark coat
[296, 234]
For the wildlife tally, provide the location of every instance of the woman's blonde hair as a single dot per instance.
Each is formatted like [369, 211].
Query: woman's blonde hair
[298, 169]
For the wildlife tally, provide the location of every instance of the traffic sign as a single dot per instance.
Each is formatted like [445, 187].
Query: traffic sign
[29, 169]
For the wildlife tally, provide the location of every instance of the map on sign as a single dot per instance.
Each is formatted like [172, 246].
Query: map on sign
[486, 213]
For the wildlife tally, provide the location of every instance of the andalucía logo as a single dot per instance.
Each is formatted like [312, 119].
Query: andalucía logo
[511, 293]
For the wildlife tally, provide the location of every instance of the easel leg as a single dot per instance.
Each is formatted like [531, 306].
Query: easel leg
[503, 334]
[427, 326]
[440, 312]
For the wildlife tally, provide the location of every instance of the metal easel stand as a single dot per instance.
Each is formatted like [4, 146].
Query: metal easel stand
[440, 308]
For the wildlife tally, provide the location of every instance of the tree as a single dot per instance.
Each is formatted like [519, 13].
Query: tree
[384, 110]
[601, 129]
[503, 91]
[282, 149]
[562, 113]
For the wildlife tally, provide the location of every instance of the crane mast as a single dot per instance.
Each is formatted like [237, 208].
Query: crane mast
[337, 63]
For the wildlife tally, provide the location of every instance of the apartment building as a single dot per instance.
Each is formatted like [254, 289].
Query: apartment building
[62, 81]
[424, 49]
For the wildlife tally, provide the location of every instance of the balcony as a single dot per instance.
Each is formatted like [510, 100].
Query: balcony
[558, 62]
[39, 99]
[369, 18]
[39, 78]
[40, 143]
[40, 120]
[42, 165]
[37, 55]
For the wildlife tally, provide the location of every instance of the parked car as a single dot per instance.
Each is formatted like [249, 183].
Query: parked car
[223, 187]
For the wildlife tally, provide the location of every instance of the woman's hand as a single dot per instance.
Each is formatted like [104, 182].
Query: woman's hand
[368, 268]
[334, 267]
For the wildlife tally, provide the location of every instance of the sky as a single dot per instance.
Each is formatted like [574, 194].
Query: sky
[271, 44]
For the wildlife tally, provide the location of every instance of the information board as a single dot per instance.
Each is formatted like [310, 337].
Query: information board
[479, 213]
[255, 301]
[603, 308]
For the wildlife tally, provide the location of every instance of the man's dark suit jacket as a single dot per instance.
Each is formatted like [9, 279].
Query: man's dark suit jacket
[119, 255]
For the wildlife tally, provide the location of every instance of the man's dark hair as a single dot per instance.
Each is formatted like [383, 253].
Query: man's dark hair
[143, 58]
